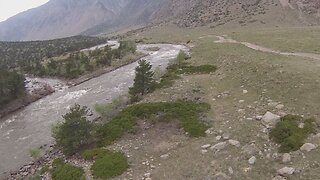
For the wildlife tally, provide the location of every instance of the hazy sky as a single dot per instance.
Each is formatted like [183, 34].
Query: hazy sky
[10, 8]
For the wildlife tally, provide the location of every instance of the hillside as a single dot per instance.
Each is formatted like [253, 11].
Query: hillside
[60, 18]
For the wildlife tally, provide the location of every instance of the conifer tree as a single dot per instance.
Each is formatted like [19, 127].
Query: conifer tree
[143, 82]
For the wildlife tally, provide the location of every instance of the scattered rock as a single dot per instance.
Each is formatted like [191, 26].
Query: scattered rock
[209, 131]
[226, 136]
[245, 91]
[259, 118]
[241, 101]
[270, 119]
[234, 142]
[286, 158]
[206, 146]
[218, 138]
[279, 178]
[308, 147]
[221, 176]
[301, 125]
[204, 151]
[250, 149]
[279, 106]
[164, 156]
[230, 170]
[147, 175]
[252, 160]
[213, 163]
[286, 171]
[219, 146]
[272, 104]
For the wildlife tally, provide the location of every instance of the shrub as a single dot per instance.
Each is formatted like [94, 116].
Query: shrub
[187, 113]
[289, 135]
[180, 59]
[108, 111]
[35, 153]
[110, 165]
[62, 171]
[75, 132]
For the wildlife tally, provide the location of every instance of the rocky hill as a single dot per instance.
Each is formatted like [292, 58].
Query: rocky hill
[61, 18]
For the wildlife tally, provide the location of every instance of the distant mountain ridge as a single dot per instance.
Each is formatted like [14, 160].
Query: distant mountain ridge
[62, 18]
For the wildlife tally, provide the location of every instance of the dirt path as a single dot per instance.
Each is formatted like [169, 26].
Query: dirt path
[225, 39]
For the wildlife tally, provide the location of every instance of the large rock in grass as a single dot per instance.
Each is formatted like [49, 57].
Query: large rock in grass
[286, 171]
[270, 120]
[308, 147]
[219, 146]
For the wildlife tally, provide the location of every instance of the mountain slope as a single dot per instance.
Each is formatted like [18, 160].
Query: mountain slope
[61, 18]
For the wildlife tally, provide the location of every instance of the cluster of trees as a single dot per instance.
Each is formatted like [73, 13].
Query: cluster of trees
[15, 54]
[78, 63]
[11, 86]
[76, 132]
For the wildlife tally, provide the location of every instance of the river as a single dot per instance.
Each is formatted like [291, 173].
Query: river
[30, 127]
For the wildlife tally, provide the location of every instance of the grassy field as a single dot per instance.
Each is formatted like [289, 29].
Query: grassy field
[267, 78]
[295, 39]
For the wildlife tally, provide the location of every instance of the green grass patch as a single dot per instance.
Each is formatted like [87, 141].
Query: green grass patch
[63, 171]
[175, 70]
[94, 153]
[109, 164]
[187, 113]
[202, 69]
[288, 134]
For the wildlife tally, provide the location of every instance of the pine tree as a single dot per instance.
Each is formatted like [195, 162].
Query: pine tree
[143, 82]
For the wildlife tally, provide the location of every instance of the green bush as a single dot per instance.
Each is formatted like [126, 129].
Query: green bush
[62, 171]
[187, 113]
[75, 132]
[109, 111]
[109, 165]
[289, 135]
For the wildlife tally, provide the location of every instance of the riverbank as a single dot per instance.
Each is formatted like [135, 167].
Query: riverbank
[44, 89]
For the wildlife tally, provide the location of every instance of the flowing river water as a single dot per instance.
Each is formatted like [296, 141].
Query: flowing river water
[30, 127]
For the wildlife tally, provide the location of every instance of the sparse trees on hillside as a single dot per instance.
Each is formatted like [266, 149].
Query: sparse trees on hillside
[11, 86]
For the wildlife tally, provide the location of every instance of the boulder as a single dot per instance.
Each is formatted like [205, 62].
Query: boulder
[250, 149]
[279, 178]
[308, 147]
[206, 146]
[219, 146]
[164, 156]
[286, 171]
[234, 142]
[270, 119]
[286, 158]
[252, 160]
